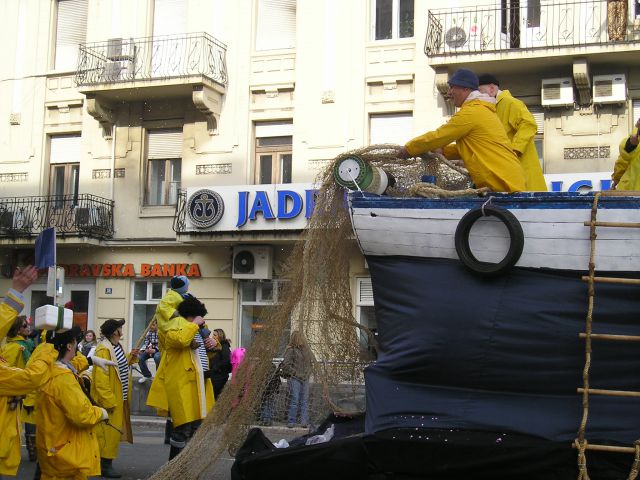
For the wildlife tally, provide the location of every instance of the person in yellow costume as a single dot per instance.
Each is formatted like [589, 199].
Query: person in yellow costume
[521, 129]
[110, 390]
[179, 386]
[626, 173]
[480, 139]
[66, 439]
[16, 352]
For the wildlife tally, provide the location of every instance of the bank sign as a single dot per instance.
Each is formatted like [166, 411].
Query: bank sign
[250, 207]
[288, 206]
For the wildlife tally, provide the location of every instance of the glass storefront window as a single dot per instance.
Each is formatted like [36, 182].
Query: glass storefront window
[146, 295]
[256, 301]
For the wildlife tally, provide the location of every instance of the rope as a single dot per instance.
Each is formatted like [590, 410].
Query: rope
[485, 204]
[429, 190]
[581, 441]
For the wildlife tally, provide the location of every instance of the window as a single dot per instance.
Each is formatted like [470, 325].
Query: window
[390, 128]
[274, 160]
[164, 167]
[392, 19]
[64, 160]
[256, 301]
[636, 112]
[538, 113]
[146, 296]
[365, 312]
[276, 24]
[71, 30]
[533, 13]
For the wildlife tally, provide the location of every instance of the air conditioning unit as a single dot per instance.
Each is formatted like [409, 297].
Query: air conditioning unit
[557, 92]
[14, 221]
[609, 88]
[120, 60]
[458, 38]
[252, 262]
[92, 220]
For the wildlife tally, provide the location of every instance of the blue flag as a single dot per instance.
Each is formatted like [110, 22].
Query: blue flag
[46, 248]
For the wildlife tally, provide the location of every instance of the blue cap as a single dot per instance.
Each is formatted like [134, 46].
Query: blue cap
[464, 78]
[180, 284]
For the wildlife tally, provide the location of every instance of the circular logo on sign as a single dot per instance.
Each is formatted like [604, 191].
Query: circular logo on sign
[205, 208]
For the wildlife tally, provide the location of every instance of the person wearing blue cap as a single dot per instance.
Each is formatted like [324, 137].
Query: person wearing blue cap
[480, 139]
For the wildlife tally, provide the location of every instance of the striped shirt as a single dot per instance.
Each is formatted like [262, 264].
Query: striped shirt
[202, 352]
[123, 369]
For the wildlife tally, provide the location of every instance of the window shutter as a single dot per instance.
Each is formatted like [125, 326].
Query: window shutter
[365, 291]
[276, 24]
[71, 30]
[165, 144]
[636, 111]
[391, 128]
[538, 113]
[65, 149]
[169, 17]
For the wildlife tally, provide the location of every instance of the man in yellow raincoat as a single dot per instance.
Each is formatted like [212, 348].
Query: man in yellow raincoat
[521, 129]
[480, 139]
[179, 386]
[66, 438]
[110, 390]
[626, 173]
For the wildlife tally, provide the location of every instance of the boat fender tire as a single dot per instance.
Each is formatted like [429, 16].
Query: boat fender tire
[516, 245]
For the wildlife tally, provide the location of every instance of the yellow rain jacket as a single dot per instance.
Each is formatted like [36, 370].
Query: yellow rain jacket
[13, 353]
[481, 142]
[106, 391]
[627, 169]
[65, 439]
[17, 381]
[10, 308]
[179, 386]
[521, 129]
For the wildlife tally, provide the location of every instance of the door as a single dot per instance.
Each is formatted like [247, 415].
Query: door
[168, 58]
[82, 296]
[532, 31]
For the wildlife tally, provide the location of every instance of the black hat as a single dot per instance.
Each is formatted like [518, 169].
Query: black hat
[110, 326]
[488, 79]
[60, 338]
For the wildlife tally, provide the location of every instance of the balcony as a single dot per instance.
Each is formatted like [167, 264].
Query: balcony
[547, 32]
[71, 215]
[141, 69]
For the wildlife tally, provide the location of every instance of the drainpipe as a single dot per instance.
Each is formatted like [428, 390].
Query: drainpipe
[113, 162]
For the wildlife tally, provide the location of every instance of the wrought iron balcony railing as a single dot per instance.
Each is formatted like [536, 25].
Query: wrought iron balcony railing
[152, 58]
[541, 24]
[180, 218]
[82, 215]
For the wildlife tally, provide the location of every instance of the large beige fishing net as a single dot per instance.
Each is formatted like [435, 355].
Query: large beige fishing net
[316, 300]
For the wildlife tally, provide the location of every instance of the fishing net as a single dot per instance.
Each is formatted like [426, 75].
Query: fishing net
[317, 301]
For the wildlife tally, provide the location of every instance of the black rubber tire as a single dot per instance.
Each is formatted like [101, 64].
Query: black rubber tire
[488, 269]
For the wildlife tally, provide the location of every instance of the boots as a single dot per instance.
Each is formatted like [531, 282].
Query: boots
[31, 447]
[106, 467]
[173, 452]
[168, 427]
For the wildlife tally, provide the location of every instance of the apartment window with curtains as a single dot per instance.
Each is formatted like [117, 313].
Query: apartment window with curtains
[71, 30]
[276, 24]
[64, 169]
[164, 166]
[273, 154]
[391, 19]
[390, 128]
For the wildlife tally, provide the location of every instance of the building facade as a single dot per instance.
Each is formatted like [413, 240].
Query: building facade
[166, 137]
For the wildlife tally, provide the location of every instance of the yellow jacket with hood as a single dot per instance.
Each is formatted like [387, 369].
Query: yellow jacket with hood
[13, 353]
[65, 438]
[179, 386]
[15, 382]
[106, 392]
[627, 168]
[481, 142]
[521, 129]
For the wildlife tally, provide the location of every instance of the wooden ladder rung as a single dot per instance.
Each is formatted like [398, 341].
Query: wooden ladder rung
[625, 281]
[613, 224]
[616, 338]
[611, 393]
[606, 448]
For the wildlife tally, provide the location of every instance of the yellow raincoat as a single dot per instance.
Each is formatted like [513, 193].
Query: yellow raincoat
[106, 391]
[179, 386]
[12, 352]
[481, 142]
[66, 439]
[627, 169]
[10, 308]
[521, 129]
[17, 381]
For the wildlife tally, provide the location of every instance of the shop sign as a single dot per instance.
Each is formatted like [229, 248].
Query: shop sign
[578, 182]
[112, 270]
[250, 207]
